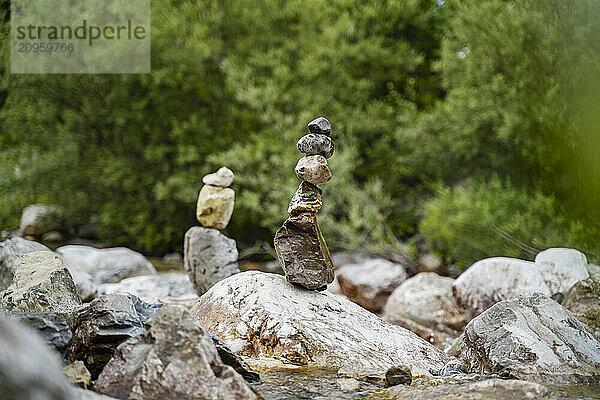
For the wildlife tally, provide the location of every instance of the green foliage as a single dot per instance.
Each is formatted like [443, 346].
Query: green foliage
[485, 219]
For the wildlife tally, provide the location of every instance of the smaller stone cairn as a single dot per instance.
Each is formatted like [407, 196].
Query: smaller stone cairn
[208, 255]
[300, 247]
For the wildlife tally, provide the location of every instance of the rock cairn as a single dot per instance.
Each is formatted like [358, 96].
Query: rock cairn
[300, 247]
[208, 255]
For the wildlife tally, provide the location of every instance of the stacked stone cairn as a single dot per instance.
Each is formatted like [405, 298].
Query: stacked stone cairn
[300, 247]
[208, 255]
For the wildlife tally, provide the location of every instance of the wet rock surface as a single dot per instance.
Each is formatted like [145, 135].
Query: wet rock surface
[313, 169]
[303, 253]
[29, 370]
[41, 283]
[215, 206]
[175, 358]
[425, 305]
[312, 144]
[103, 324]
[371, 282]
[106, 265]
[259, 315]
[208, 256]
[534, 338]
[583, 300]
[306, 199]
[152, 288]
[50, 327]
[10, 250]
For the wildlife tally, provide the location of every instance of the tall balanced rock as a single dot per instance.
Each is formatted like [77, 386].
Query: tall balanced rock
[300, 247]
[216, 198]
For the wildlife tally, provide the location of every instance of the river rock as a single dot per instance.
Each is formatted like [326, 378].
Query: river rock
[215, 206]
[41, 283]
[562, 268]
[208, 257]
[105, 323]
[494, 279]
[303, 253]
[38, 219]
[259, 315]
[583, 300]
[306, 199]
[430, 263]
[425, 305]
[312, 144]
[532, 337]
[29, 370]
[77, 373]
[106, 265]
[52, 328]
[152, 288]
[497, 389]
[320, 126]
[371, 282]
[174, 359]
[10, 250]
[313, 169]
[222, 178]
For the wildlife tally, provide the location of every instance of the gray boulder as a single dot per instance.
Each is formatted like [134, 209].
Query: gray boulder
[371, 282]
[100, 326]
[10, 250]
[152, 288]
[38, 219]
[260, 315]
[208, 257]
[562, 268]
[53, 329]
[532, 337]
[425, 305]
[106, 265]
[41, 283]
[175, 358]
[29, 370]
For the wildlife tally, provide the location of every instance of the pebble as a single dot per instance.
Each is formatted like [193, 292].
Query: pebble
[312, 144]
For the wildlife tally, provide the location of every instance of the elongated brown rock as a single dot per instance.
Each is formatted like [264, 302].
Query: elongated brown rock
[306, 199]
[303, 253]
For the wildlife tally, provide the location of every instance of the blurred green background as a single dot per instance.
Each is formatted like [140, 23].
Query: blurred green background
[471, 124]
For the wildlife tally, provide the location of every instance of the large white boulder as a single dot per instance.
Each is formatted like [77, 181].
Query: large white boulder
[260, 315]
[562, 268]
[532, 337]
[152, 288]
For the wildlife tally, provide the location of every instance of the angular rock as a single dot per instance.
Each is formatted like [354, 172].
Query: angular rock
[52, 328]
[41, 283]
[106, 265]
[302, 252]
[233, 360]
[29, 370]
[215, 206]
[371, 282]
[426, 300]
[562, 268]
[10, 250]
[306, 199]
[105, 323]
[320, 126]
[532, 338]
[583, 300]
[174, 359]
[152, 288]
[208, 257]
[497, 389]
[37, 219]
[495, 279]
[222, 178]
[313, 169]
[312, 144]
[77, 373]
[260, 315]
